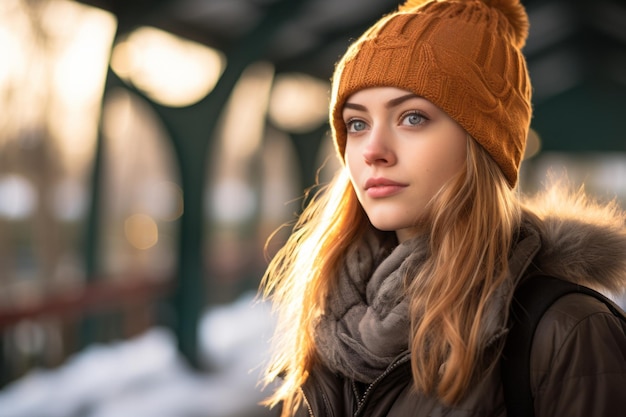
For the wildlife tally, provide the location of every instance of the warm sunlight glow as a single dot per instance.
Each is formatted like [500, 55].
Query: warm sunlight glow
[10, 48]
[141, 231]
[78, 76]
[170, 70]
[52, 73]
[244, 121]
[533, 144]
[299, 103]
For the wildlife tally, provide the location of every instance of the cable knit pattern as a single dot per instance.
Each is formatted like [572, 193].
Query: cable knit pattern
[463, 56]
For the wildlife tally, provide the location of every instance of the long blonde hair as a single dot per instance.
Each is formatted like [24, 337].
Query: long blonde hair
[472, 224]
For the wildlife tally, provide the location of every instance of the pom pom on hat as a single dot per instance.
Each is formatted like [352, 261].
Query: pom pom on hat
[511, 9]
[517, 17]
[462, 55]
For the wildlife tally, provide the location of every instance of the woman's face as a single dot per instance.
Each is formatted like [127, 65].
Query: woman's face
[400, 150]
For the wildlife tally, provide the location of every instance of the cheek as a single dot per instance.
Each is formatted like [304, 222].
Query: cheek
[350, 171]
[457, 148]
[449, 157]
[351, 161]
[456, 160]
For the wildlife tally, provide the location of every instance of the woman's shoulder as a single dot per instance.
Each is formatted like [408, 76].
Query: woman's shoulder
[578, 359]
[578, 335]
[573, 313]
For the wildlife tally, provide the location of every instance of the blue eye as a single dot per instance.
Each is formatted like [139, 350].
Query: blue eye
[356, 125]
[413, 119]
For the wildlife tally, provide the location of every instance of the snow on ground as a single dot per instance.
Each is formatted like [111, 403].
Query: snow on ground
[145, 376]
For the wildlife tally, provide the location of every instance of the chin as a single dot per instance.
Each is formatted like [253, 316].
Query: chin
[385, 226]
[403, 229]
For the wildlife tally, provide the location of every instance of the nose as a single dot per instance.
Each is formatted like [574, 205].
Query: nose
[378, 148]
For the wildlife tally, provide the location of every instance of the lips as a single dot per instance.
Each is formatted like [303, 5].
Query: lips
[382, 187]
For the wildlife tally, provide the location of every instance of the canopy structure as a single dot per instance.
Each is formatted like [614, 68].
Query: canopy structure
[576, 53]
[576, 50]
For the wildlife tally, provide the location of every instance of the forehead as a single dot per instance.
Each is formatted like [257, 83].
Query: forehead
[383, 97]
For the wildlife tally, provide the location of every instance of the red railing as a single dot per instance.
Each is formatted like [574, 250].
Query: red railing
[132, 304]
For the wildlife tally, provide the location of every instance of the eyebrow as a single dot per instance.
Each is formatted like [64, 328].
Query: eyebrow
[391, 103]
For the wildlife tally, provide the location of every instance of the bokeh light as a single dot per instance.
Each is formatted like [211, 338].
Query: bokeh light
[170, 70]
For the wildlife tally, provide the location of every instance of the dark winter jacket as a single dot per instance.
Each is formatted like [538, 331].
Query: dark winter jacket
[578, 358]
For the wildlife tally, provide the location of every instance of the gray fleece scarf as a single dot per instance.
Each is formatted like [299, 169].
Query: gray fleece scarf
[366, 323]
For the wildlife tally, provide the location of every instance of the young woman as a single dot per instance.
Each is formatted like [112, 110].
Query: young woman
[393, 291]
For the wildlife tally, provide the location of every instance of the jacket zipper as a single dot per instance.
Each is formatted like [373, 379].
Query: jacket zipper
[325, 400]
[308, 405]
[367, 392]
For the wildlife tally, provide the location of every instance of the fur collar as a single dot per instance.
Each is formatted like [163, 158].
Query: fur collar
[582, 240]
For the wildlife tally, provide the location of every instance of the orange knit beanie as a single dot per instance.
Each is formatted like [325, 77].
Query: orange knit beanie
[462, 55]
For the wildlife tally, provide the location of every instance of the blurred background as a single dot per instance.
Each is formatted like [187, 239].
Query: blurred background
[148, 148]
